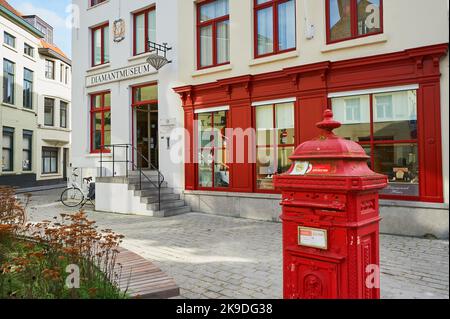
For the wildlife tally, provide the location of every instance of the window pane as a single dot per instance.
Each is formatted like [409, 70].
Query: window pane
[265, 167]
[285, 123]
[284, 163]
[49, 105]
[147, 93]
[354, 114]
[207, 12]
[152, 25]
[8, 82]
[265, 31]
[395, 116]
[107, 128]
[205, 168]
[106, 44]
[221, 169]
[97, 101]
[205, 129]
[97, 128]
[223, 42]
[214, 10]
[107, 101]
[97, 46]
[220, 124]
[340, 21]
[7, 151]
[369, 18]
[286, 25]
[400, 163]
[206, 46]
[140, 33]
[221, 8]
[264, 125]
[7, 141]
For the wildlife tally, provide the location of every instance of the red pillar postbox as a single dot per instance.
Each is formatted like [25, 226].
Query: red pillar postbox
[330, 219]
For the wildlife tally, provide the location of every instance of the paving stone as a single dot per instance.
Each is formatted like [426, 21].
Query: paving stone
[223, 257]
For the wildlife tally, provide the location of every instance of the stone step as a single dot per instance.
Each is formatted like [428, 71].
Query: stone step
[152, 192]
[135, 179]
[164, 198]
[145, 185]
[146, 172]
[172, 211]
[167, 205]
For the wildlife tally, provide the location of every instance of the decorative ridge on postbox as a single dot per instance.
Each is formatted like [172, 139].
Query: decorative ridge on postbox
[328, 145]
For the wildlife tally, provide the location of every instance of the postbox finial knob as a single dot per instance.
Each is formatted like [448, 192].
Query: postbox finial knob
[328, 124]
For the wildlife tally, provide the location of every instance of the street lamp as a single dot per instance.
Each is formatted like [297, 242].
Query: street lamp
[155, 60]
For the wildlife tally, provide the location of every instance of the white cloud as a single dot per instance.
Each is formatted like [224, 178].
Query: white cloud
[56, 21]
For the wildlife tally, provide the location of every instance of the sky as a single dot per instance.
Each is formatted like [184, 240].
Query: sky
[54, 13]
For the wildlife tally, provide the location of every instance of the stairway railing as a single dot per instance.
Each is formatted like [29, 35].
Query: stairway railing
[111, 150]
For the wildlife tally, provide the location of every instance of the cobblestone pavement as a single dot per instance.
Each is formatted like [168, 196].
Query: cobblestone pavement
[222, 257]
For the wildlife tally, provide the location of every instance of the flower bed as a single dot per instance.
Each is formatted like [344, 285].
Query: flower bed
[64, 258]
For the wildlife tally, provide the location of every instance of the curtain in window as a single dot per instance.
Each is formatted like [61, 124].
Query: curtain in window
[265, 31]
[152, 25]
[97, 46]
[106, 44]
[206, 46]
[140, 34]
[286, 25]
[285, 116]
[223, 42]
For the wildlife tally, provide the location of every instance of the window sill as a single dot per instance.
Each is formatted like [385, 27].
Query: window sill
[10, 105]
[29, 57]
[97, 5]
[139, 56]
[49, 175]
[10, 47]
[97, 155]
[212, 70]
[374, 39]
[99, 67]
[274, 58]
[29, 110]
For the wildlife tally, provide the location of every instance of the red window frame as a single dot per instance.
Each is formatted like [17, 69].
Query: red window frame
[373, 142]
[103, 109]
[102, 47]
[213, 149]
[145, 12]
[274, 4]
[354, 22]
[200, 25]
[275, 146]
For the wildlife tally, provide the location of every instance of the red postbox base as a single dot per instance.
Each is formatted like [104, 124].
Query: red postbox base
[330, 220]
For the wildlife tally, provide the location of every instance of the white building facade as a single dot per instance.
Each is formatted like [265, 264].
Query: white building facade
[35, 103]
[123, 100]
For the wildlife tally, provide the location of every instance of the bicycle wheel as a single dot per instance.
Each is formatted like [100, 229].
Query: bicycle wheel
[72, 197]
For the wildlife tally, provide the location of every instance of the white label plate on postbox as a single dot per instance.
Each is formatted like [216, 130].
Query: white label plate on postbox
[312, 237]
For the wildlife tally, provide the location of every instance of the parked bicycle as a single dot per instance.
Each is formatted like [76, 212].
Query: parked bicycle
[76, 195]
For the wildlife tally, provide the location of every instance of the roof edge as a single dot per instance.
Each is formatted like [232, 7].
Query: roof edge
[18, 20]
[52, 53]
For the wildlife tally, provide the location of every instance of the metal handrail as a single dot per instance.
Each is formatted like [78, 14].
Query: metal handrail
[161, 177]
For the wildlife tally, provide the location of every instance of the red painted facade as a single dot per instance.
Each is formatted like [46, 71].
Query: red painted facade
[310, 85]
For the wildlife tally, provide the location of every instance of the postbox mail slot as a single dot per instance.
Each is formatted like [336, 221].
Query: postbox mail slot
[337, 206]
